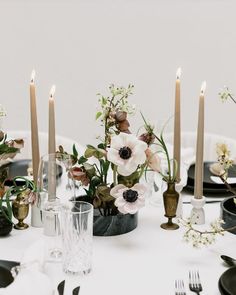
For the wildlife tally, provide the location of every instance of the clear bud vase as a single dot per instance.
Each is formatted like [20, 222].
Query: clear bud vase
[171, 198]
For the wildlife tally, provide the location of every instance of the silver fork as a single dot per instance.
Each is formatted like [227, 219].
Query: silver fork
[179, 287]
[194, 282]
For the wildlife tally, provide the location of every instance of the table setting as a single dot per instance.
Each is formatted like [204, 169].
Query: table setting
[139, 213]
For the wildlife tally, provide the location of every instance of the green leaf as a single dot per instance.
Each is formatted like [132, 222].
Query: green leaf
[98, 115]
[101, 146]
[82, 160]
[89, 153]
[106, 165]
[90, 170]
[130, 180]
[95, 180]
[5, 149]
[75, 152]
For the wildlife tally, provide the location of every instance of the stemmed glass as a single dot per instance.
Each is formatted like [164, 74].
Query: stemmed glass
[55, 187]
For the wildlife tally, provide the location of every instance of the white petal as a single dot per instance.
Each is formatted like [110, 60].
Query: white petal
[114, 157]
[122, 170]
[117, 142]
[141, 188]
[131, 141]
[140, 145]
[115, 190]
[131, 165]
[131, 208]
[139, 156]
[122, 210]
[120, 202]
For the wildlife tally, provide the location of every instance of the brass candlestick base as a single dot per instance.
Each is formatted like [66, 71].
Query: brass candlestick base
[171, 198]
[21, 225]
[169, 225]
[20, 210]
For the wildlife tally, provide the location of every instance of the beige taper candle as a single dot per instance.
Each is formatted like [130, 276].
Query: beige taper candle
[34, 129]
[51, 148]
[177, 126]
[51, 123]
[198, 178]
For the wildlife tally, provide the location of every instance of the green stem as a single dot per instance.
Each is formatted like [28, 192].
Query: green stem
[142, 170]
[232, 98]
[114, 174]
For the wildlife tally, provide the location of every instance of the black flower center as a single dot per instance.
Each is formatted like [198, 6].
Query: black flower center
[130, 195]
[125, 152]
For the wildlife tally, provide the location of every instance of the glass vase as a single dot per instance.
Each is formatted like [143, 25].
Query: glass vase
[170, 198]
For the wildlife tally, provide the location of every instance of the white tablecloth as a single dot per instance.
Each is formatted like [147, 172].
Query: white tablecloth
[144, 261]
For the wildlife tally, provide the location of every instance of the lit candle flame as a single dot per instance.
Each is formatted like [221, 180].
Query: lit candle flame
[178, 73]
[203, 87]
[52, 91]
[32, 76]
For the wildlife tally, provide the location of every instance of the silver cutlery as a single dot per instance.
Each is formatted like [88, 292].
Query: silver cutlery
[76, 291]
[179, 287]
[194, 282]
[229, 260]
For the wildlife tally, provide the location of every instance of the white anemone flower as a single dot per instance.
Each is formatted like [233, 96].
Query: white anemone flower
[129, 200]
[127, 152]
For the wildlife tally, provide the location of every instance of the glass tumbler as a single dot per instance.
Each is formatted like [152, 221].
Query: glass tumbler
[77, 235]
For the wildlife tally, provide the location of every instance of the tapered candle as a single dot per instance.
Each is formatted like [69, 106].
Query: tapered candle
[198, 178]
[177, 126]
[34, 129]
[51, 125]
[51, 148]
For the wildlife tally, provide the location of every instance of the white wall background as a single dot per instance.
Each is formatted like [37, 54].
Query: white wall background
[82, 46]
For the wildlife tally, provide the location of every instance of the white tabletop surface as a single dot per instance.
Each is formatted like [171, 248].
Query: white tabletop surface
[144, 261]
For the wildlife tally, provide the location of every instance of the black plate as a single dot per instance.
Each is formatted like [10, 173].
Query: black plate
[5, 277]
[228, 281]
[19, 168]
[209, 186]
[8, 264]
[222, 291]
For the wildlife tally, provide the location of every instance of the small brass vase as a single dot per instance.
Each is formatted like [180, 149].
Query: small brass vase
[171, 198]
[20, 210]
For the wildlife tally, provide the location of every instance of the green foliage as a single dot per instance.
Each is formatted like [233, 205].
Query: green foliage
[92, 151]
[90, 170]
[82, 160]
[130, 180]
[5, 149]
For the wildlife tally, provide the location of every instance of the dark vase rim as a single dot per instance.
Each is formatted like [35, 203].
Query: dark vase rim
[222, 204]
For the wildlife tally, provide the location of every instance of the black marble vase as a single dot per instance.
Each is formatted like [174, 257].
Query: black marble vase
[113, 225]
[5, 224]
[228, 214]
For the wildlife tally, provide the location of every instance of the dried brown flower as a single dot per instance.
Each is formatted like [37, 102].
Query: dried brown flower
[78, 174]
[147, 137]
[120, 116]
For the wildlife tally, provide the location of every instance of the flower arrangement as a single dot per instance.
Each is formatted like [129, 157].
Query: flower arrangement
[110, 172]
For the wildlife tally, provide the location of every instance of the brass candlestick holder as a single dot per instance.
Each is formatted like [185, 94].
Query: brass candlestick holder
[20, 210]
[171, 198]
